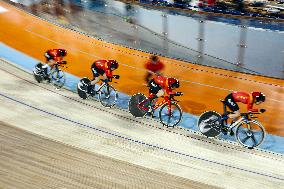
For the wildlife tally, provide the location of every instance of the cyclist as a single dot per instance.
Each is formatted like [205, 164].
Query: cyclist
[103, 68]
[160, 85]
[246, 98]
[154, 65]
[52, 56]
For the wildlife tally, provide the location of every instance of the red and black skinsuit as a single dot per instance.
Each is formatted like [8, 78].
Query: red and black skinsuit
[243, 97]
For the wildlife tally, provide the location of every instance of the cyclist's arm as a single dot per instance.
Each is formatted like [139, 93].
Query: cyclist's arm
[108, 73]
[105, 76]
[251, 109]
[51, 64]
[169, 91]
[58, 59]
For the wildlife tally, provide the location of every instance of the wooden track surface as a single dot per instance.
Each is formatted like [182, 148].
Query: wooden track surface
[31, 161]
[202, 86]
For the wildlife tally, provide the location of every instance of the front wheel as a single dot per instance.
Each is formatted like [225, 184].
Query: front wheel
[170, 116]
[250, 133]
[108, 96]
[57, 78]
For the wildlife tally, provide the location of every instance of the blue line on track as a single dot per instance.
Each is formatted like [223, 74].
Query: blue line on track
[138, 141]
[272, 142]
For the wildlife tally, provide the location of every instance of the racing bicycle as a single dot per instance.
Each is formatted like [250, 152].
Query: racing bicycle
[170, 113]
[249, 132]
[107, 94]
[56, 76]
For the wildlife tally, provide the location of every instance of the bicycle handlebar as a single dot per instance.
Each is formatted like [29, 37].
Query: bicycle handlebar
[61, 63]
[250, 114]
[176, 94]
[109, 79]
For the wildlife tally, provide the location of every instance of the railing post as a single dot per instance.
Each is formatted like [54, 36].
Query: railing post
[242, 44]
[165, 33]
[201, 40]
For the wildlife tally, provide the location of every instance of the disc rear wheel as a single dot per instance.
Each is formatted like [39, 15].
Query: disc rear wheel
[134, 102]
[209, 123]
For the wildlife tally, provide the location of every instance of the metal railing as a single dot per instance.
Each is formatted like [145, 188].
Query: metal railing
[234, 44]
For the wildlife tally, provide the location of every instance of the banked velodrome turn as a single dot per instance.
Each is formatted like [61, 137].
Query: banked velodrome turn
[63, 117]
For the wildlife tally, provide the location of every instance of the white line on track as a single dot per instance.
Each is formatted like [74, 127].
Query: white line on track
[187, 81]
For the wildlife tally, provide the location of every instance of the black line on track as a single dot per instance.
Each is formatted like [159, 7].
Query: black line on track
[250, 151]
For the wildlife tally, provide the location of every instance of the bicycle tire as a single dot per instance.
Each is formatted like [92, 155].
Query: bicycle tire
[166, 106]
[38, 78]
[133, 105]
[240, 130]
[104, 99]
[209, 124]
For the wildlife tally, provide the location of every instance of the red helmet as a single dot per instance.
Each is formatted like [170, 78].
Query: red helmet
[258, 96]
[113, 64]
[173, 82]
[62, 52]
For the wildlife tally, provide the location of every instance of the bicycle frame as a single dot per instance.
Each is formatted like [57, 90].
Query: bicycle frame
[166, 99]
[244, 117]
[237, 123]
[56, 68]
[101, 86]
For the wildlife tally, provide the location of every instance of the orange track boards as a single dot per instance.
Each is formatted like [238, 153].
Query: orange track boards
[202, 86]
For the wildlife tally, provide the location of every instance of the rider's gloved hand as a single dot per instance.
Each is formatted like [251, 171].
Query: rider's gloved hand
[116, 76]
[179, 94]
[262, 110]
[109, 79]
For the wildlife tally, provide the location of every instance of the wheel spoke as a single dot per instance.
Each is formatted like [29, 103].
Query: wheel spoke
[244, 132]
[107, 96]
[253, 139]
[171, 118]
[245, 139]
[255, 134]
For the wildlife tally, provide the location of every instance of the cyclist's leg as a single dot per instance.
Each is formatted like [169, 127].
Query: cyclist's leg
[96, 77]
[233, 106]
[155, 92]
[234, 114]
[46, 70]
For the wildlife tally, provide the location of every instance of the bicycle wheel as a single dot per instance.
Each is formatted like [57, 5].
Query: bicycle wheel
[37, 77]
[108, 96]
[81, 93]
[133, 105]
[170, 116]
[38, 72]
[250, 134]
[57, 78]
[209, 123]
[82, 87]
